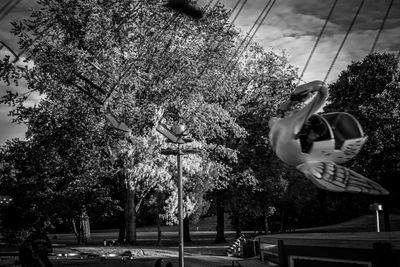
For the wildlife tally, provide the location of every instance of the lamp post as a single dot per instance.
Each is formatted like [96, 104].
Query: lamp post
[175, 135]
[376, 207]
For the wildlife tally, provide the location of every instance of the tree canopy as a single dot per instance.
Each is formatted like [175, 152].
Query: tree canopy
[142, 64]
[369, 89]
[145, 64]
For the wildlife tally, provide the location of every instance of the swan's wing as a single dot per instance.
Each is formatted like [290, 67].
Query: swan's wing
[330, 176]
[118, 125]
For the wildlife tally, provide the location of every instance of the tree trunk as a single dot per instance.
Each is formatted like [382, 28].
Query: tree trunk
[238, 225]
[76, 230]
[85, 227]
[186, 230]
[266, 226]
[220, 203]
[121, 233]
[236, 217]
[159, 233]
[283, 221]
[130, 216]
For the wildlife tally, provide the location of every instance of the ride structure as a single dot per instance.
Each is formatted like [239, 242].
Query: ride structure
[317, 144]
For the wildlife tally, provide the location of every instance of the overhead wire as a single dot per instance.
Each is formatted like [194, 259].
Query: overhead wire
[9, 9]
[317, 42]
[6, 5]
[206, 6]
[232, 12]
[364, 69]
[206, 65]
[240, 10]
[381, 27]
[323, 29]
[8, 48]
[219, 43]
[127, 70]
[337, 54]
[247, 35]
[253, 34]
[344, 40]
[260, 20]
[129, 67]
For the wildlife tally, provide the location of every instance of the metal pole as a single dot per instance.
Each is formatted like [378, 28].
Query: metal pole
[180, 208]
[378, 229]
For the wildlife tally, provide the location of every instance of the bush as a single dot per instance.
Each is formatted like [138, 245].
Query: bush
[15, 237]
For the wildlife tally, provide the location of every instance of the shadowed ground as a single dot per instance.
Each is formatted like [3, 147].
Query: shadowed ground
[200, 252]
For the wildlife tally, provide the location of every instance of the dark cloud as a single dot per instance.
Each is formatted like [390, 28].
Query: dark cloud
[370, 16]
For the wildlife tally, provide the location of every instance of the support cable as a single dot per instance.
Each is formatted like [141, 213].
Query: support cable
[252, 36]
[5, 6]
[317, 42]
[381, 28]
[231, 24]
[201, 72]
[8, 48]
[344, 40]
[9, 9]
[206, 6]
[206, 65]
[240, 10]
[337, 54]
[261, 18]
[364, 69]
[247, 35]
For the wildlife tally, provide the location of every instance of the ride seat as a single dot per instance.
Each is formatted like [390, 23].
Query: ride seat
[344, 127]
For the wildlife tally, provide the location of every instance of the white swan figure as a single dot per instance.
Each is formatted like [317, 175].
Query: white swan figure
[316, 149]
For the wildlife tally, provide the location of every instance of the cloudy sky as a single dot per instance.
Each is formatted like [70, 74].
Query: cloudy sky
[291, 26]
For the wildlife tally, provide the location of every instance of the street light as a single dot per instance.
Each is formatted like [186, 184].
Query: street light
[5, 200]
[376, 207]
[175, 135]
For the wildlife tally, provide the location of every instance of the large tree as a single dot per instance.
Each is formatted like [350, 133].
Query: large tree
[142, 63]
[369, 89]
[60, 165]
[259, 182]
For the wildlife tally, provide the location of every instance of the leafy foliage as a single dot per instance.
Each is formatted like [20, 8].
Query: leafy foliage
[140, 62]
[369, 89]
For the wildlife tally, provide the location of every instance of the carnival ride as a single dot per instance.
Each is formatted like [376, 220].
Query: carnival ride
[316, 143]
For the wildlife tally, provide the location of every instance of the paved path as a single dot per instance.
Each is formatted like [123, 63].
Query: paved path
[190, 261]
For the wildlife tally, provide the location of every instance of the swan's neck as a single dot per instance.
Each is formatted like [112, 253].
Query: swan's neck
[318, 101]
[315, 104]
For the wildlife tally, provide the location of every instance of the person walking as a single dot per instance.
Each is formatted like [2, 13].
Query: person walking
[34, 250]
